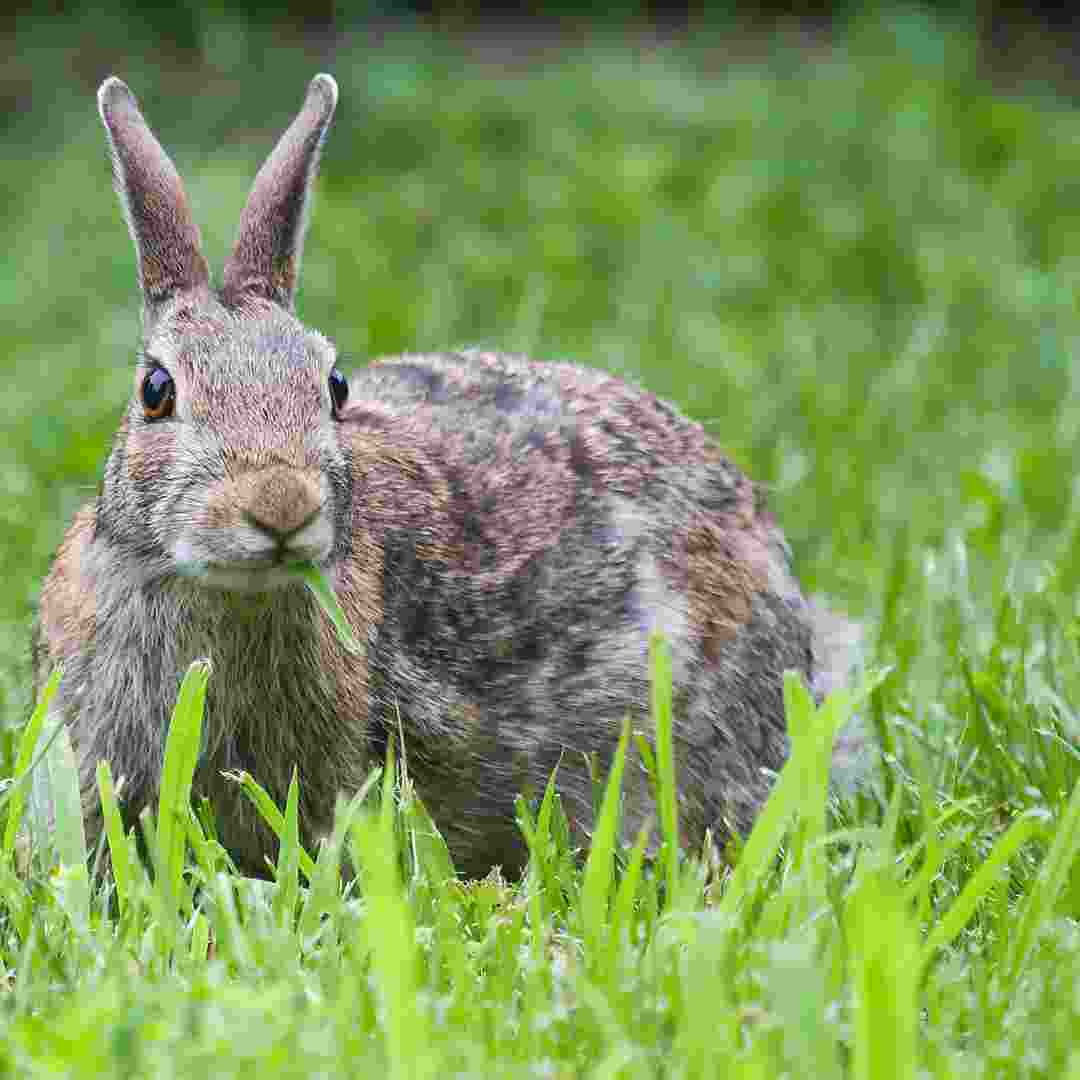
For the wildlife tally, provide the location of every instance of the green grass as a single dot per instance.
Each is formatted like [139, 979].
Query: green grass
[857, 263]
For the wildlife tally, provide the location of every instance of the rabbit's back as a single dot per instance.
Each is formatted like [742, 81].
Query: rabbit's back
[547, 520]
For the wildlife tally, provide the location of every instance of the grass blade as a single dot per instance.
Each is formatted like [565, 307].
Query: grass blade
[770, 827]
[114, 833]
[660, 669]
[182, 746]
[200, 940]
[543, 850]
[325, 884]
[626, 895]
[16, 900]
[430, 856]
[69, 833]
[287, 877]
[884, 952]
[269, 812]
[1025, 828]
[1059, 863]
[812, 730]
[315, 580]
[15, 795]
[387, 816]
[390, 936]
[599, 867]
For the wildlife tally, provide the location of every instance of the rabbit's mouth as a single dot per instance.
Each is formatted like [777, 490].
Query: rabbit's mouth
[263, 572]
[269, 580]
[258, 544]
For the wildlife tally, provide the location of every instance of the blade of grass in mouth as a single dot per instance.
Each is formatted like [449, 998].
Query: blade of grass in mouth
[323, 591]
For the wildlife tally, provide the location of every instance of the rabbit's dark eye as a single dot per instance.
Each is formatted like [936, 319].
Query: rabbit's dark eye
[339, 389]
[158, 394]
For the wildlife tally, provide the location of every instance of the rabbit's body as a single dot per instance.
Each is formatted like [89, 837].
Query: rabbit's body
[503, 536]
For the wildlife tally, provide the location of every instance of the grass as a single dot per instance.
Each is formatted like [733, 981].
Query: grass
[853, 260]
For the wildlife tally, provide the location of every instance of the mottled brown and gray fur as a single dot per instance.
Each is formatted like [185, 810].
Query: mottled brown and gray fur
[504, 535]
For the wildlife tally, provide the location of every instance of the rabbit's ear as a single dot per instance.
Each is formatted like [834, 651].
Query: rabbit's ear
[152, 196]
[265, 260]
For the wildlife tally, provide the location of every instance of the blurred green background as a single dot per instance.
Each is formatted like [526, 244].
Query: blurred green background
[848, 246]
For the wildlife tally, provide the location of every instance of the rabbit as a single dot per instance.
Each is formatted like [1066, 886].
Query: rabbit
[503, 535]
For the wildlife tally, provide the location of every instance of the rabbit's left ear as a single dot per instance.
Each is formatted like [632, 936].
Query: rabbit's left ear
[265, 260]
[154, 203]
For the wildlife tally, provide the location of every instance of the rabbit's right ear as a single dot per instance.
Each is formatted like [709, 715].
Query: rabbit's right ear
[155, 206]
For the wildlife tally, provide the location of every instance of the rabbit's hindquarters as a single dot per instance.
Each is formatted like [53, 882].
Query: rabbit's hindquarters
[530, 542]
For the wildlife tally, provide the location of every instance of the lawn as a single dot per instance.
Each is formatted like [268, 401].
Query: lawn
[854, 258]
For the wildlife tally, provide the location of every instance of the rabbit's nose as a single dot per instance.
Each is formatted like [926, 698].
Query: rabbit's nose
[280, 501]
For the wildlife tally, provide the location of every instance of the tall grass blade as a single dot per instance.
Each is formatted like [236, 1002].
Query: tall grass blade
[1024, 829]
[800, 997]
[801, 785]
[288, 863]
[765, 838]
[206, 850]
[182, 747]
[626, 897]
[600, 864]
[15, 795]
[231, 937]
[390, 936]
[660, 668]
[320, 588]
[69, 833]
[430, 855]
[325, 883]
[884, 953]
[115, 835]
[200, 940]
[16, 901]
[1060, 862]
[389, 784]
[260, 799]
[538, 838]
[544, 814]
[707, 1031]
[812, 731]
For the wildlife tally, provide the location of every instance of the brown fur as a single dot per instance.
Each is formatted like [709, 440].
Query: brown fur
[720, 588]
[68, 609]
[279, 499]
[504, 537]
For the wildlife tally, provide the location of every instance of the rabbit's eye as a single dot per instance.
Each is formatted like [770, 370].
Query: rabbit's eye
[339, 389]
[158, 394]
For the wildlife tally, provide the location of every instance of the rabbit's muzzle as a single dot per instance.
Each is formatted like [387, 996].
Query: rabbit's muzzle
[253, 527]
[280, 502]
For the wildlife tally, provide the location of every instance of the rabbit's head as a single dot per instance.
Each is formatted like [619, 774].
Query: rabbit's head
[227, 467]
